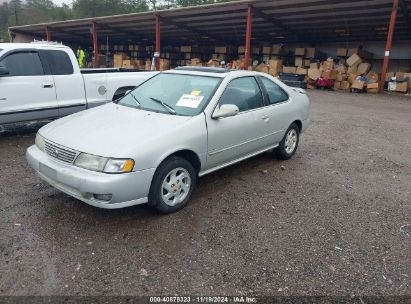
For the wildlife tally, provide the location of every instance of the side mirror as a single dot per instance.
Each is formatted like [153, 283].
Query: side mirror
[3, 71]
[226, 110]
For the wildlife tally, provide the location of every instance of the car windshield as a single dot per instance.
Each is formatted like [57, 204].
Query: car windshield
[173, 94]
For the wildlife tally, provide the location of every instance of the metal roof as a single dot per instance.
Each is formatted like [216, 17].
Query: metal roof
[277, 21]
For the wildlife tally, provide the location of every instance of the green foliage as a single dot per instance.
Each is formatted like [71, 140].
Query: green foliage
[18, 12]
[96, 8]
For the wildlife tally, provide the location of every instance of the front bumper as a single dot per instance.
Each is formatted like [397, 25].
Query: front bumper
[126, 189]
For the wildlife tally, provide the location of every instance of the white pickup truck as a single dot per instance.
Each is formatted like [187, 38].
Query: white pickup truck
[41, 81]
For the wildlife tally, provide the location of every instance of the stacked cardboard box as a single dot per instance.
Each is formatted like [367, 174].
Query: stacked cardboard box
[372, 87]
[300, 52]
[272, 67]
[354, 60]
[351, 71]
[238, 64]
[289, 70]
[254, 50]
[400, 82]
[213, 63]
[347, 52]
[262, 68]
[342, 52]
[305, 56]
[301, 71]
[327, 65]
[147, 65]
[118, 48]
[275, 66]
[191, 55]
[407, 76]
[358, 70]
[275, 49]
[186, 49]
[164, 64]
[299, 62]
[299, 57]
[223, 50]
[358, 85]
[195, 62]
[341, 81]
[311, 53]
[118, 59]
[218, 57]
[133, 64]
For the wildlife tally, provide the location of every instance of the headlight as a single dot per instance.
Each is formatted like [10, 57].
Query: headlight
[90, 162]
[39, 141]
[119, 166]
[103, 164]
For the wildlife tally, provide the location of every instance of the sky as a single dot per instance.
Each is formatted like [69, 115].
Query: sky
[62, 1]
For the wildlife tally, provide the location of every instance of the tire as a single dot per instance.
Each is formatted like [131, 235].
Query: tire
[286, 150]
[172, 185]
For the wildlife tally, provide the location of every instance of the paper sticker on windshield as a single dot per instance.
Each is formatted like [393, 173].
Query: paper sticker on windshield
[196, 93]
[190, 101]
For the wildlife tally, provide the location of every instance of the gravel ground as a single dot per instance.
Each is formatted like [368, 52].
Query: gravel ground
[334, 220]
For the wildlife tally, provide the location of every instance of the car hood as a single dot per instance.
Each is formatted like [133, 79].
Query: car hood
[111, 130]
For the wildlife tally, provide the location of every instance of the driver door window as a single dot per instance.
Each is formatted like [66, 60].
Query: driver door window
[244, 93]
[23, 64]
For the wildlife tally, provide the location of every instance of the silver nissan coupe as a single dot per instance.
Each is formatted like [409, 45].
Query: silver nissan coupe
[153, 144]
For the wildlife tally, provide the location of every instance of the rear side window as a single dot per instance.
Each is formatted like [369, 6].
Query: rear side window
[274, 92]
[23, 64]
[59, 62]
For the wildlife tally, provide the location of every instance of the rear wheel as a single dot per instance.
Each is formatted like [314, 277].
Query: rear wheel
[289, 144]
[172, 185]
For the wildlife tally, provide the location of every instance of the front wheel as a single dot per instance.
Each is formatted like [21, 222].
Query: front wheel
[172, 185]
[289, 144]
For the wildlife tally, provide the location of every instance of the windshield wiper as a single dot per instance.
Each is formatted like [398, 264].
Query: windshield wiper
[136, 100]
[169, 108]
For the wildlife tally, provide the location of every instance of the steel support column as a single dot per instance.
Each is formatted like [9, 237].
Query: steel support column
[248, 37]
[48, 34]
[389, 43]
[95, 44]
[158, 41]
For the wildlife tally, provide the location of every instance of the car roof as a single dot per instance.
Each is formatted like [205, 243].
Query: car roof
[210, 72]
[32, 45]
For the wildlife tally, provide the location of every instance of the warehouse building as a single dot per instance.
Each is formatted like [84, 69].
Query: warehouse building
[295, 34]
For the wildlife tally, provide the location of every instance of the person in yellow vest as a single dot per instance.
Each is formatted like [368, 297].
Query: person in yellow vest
[81, 57]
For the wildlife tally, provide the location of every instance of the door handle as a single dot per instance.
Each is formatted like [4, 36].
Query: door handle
[2, 99]
[48, 85]
[265, 118]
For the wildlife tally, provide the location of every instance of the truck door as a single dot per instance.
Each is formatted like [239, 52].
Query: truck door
[68, 81]
[26, 93]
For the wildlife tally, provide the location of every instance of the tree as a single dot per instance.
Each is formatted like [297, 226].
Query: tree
[15, 9]
[38, 11]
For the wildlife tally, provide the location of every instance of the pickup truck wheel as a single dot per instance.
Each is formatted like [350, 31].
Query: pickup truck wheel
[289, 144]
[172, 185]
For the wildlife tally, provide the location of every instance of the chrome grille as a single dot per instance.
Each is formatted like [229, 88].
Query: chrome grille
[62, 154]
